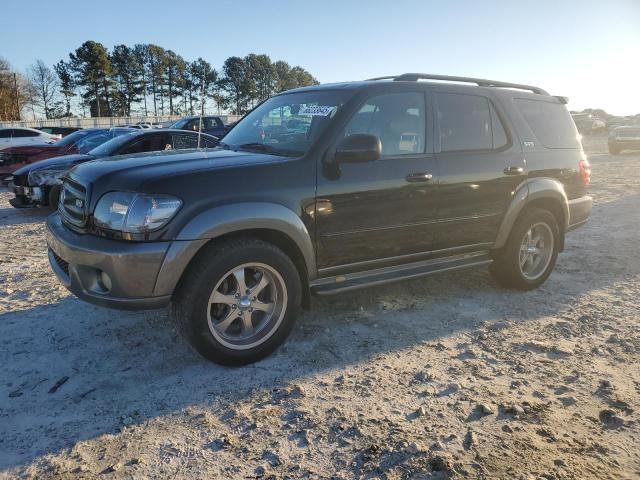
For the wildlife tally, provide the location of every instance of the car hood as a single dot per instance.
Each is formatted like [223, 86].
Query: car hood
[132, 171]
[54, 162]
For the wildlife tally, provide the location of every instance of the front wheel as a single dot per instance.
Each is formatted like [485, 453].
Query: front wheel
[531, 252]
[239, 301]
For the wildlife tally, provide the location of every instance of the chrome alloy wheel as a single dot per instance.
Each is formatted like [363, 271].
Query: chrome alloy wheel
[536, 251]
[247, 305]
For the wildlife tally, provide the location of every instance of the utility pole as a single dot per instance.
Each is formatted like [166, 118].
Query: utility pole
[15, 86]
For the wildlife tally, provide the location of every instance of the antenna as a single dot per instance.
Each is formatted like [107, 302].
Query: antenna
[201, 113]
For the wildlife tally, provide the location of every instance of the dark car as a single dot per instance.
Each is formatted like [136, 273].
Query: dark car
[13, 158]
[62, 131]
[210, 125]
[39, 183]
[624, 138]
[323, 190]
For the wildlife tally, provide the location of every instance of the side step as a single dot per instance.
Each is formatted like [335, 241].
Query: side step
[397, 273]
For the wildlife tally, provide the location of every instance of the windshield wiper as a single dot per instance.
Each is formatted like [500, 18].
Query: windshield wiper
[263, 148]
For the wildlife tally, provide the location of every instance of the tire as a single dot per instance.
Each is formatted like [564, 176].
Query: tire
[506, 268]
[217, 321]
[54, 197]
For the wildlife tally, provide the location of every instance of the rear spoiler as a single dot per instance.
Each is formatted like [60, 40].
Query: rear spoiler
[562, 100]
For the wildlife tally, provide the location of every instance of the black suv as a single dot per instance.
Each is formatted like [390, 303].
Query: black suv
[322, 190]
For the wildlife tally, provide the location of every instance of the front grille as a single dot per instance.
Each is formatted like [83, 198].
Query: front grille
[61, 263]
[73, 202]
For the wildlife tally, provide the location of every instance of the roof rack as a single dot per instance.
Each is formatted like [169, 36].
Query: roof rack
[414, 77]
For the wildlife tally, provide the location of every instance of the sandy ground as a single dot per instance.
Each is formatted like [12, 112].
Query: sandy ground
[446, 377]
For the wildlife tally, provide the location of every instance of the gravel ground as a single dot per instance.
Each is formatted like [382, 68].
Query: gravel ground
[445, 377]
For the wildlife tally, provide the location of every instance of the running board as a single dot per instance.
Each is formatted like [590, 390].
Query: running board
[382, 276]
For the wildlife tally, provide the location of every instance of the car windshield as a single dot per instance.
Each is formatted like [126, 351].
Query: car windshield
[286, 124]
[89, 142]
[113, 144]
[72, 138]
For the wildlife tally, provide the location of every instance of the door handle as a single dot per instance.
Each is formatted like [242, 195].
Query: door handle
[513, 171]
[419, 177]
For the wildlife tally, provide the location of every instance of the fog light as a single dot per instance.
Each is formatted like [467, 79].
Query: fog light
[106, 281]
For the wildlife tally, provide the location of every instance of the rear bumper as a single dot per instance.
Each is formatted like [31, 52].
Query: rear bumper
[79, 262]
[579, 210]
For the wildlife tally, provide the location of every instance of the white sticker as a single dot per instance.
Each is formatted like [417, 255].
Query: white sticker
[316, 110]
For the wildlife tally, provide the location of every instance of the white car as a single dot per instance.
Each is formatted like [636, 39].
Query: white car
[11, 137]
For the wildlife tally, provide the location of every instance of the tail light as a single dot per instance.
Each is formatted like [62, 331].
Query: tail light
[585, 171]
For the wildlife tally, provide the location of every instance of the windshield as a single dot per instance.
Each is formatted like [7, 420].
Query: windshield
[113, 144]
[72, 138]
[89, 142]
[286, 124]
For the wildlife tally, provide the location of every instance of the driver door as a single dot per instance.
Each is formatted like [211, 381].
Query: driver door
[385, 208]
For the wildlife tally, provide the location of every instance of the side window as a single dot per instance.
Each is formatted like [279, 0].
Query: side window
[551, 123]
[464, 122]
[5, 133]
[398, 119]
[181, 141]
[193, 125]
[19, 133]
[500, 138]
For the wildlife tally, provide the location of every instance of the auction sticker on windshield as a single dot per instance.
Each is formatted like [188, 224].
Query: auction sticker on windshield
[316, 110]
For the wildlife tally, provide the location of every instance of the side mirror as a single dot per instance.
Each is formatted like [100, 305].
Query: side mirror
[358, 148]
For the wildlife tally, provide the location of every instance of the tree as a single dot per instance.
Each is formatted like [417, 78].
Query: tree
[261, 75]
[12, 90]
[288, 78]
[67, 84]
[127, 70]
[202, 81]
[236, 83]
[92, 68]
[45, 86]
[155, 70]
[175, 66]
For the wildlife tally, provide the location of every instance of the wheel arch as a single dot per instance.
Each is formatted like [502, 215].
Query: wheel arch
[271, 223]
[545, 193]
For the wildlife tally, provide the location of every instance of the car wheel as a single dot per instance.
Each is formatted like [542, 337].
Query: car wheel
[54, 196]
[531, 251]
[614, 149]
[238, 302]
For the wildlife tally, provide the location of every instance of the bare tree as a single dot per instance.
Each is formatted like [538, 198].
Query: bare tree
[45, 87]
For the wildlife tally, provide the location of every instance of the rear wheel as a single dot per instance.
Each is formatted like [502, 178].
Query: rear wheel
[531, 252]
[239, 302]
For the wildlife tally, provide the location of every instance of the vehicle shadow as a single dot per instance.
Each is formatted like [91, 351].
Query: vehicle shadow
[116, 368]
[14, 216]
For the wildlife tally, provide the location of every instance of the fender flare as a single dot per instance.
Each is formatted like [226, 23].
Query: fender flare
[234, 218]
[525, 193]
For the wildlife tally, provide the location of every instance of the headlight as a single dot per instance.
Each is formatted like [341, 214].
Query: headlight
[130, 212]
[48, 176]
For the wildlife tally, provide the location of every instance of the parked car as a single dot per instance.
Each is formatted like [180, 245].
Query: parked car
[211, 125]
[59, 131]
[624, 138]
[11, 137]
[364, 184]
[587, 124]
[39, 183]
[13, 158]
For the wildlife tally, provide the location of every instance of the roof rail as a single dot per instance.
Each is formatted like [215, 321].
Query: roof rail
[414, 77]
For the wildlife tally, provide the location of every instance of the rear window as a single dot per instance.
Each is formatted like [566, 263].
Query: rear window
[551, 123]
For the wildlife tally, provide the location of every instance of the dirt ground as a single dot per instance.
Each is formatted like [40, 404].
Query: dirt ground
[446, 377]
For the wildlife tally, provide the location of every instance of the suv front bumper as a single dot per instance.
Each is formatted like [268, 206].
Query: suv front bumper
[105, 272]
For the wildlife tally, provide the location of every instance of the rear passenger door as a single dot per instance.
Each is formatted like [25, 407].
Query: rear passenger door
[480, 165]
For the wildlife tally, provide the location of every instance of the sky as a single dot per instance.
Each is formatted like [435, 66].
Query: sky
[588, 50]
